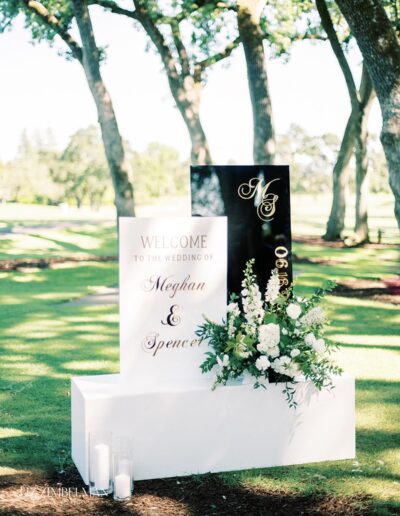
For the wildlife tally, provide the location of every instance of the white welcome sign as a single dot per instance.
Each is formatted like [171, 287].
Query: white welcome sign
[172, 272]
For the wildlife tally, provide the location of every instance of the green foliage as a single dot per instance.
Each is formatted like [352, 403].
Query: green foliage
[79, 174]
[282, 23]
[82, 169]
[27, 178]
[158, 172]
[311, 159]
[40, 31]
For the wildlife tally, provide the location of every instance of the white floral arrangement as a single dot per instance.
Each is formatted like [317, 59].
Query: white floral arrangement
[275, 339]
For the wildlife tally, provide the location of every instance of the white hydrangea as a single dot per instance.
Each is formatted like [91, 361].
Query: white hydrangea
[262, 363]
[295, 353]
[315, 316]
[273, 285]
[269, 334]
[224, 362]
[293, 310]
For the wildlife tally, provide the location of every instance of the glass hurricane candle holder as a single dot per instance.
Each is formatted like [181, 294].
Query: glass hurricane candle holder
[122, 475]
[100, 478]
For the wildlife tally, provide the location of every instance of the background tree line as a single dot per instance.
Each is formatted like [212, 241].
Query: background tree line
[191, 36]
[79, 175]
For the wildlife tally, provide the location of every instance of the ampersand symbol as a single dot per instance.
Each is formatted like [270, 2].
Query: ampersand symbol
[173, 318]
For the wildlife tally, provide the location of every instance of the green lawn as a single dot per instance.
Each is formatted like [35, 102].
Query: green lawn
[45, 341]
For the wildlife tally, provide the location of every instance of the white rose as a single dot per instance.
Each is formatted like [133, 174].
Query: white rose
[281, 364]
[293, 310]
[262, 363]
[285, 360]
[274, 352]
[295, 353]
[262, 347]
[293, 370]
[319, 346]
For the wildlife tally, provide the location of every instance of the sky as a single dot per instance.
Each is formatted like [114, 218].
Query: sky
[39, 90]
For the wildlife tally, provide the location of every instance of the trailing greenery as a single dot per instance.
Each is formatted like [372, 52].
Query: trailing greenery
[276, 338]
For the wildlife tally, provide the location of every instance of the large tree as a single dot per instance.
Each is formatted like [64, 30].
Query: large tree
[355, 135]
[340, 174]
[380, 48]
[53, 18]
[185, 59]
[216, 28]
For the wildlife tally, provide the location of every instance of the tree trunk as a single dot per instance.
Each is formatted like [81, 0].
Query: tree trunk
[367, 95]
[335, 226]
[355, 133]
[185, 90]
[248, 16]
[362, 188]
[187, 98]
[112, 140]
[360, 103]
[380, 48]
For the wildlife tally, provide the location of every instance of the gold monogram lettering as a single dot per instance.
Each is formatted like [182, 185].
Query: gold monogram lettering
[267, 206]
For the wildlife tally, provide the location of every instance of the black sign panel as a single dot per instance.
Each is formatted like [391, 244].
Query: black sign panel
[256, 200]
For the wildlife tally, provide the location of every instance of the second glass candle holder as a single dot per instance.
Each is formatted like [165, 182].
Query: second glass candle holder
[122, 468]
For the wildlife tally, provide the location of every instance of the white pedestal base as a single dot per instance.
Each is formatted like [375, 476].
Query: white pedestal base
[196, 430]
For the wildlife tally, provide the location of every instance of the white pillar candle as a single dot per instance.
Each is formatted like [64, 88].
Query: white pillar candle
[122, 486]
[101, 466]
